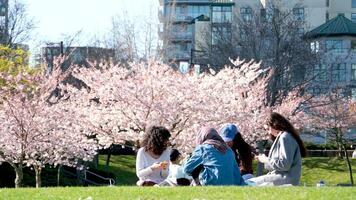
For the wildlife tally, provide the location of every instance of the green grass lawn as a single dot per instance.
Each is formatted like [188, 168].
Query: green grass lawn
[331, 170]
[123, 167]
[94, 193]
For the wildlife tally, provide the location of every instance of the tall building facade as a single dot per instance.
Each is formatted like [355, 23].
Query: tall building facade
[187, 27]
[330, 26]
[314, 12]
[4, 9]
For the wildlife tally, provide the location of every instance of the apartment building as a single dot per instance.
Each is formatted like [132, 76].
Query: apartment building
[81, 56]
[314, 12]
[182, 25]
[335, 41]
[4, 5]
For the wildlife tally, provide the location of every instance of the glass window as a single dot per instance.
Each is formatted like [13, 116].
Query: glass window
[333, 44]
[338, 72]
[314, 46]
[353, 93]
[217, 8]
[353, 72]
[353, 17]
[300, 32]
[327, 3]
[353, 3]
[320, 73]
[222, 15]
[226, 9]
[217, 17]
[353, 44]
[246, 14]
[221, 34]
[298, 14]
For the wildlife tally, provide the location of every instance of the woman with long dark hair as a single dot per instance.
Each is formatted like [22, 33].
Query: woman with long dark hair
[153, 157]
[284, 160]
[230, 133]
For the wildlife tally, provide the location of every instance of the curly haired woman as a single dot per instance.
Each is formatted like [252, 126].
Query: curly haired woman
[153, 157]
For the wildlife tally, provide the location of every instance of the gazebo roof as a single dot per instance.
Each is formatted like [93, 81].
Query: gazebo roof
[338, 26]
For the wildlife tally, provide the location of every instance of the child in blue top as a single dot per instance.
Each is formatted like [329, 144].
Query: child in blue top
[213, 161]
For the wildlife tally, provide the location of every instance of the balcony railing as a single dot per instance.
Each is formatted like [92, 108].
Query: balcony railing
[343, 51]
[181, 36]
[179, 55]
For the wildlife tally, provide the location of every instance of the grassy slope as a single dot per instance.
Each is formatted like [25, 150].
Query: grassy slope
[331, 170]
[123, 167]
[180, 193]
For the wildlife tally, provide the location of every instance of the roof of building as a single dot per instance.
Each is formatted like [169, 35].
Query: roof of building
[338, 26]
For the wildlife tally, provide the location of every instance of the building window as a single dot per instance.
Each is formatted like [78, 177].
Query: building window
[263, 15]
[327, 3]
[338, 72]
[300, 32]
[195, 11]
[353, 72]
[353, 93]
[353, 44]
[222, 14]
[314, 46]
[298, 14]
[333, 45]
[320, 73]
[353, 4]
[221, 34]
[353, 17]
[326, 16]
[246, 14]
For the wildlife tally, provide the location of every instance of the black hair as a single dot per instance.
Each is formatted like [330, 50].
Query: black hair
[174, 155]
[278, 122]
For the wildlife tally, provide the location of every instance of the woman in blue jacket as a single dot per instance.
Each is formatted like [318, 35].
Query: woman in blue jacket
[213, 161]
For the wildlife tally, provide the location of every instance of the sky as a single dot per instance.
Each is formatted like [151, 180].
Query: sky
[56, 18]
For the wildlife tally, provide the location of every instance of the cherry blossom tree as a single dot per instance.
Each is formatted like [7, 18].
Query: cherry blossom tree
[335, 115]
[37, 129]
[122, 102]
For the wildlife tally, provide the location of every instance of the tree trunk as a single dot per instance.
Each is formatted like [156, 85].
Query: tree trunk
[38, 171]
[19, 176]
[96, 160]
[59, 174]
[108, 160]
[259, 164]
[348, 164]
[339, 144]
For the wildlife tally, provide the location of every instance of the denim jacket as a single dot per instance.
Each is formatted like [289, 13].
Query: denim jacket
[218, 168]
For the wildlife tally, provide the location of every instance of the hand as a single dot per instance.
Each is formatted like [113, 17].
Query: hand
[156, 166]
[164, 165]
[262, 158]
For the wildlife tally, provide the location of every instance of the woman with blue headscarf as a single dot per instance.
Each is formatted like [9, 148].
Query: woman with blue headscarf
[213, 162]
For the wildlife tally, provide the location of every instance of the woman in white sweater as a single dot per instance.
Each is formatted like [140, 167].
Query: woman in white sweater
[153, 157]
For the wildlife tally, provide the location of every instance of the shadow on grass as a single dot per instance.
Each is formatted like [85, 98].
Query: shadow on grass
[334, 164]
[122, 166]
